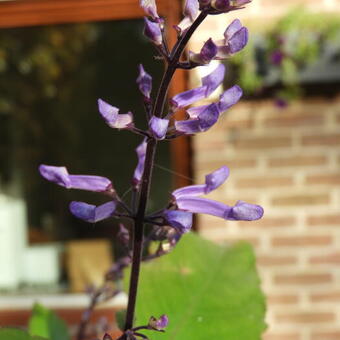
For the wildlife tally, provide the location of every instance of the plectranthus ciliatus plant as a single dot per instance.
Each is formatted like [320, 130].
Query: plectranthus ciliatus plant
[171, 222]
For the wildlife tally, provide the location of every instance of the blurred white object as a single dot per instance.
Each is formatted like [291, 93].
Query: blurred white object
[13, 241]
[41, 265]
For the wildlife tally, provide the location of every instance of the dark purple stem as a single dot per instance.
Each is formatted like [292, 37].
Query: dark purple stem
[148, 167]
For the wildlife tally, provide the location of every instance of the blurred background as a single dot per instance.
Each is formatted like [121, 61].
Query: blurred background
[281, 142]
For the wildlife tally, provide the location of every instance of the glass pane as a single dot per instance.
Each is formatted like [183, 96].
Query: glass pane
[51, 78]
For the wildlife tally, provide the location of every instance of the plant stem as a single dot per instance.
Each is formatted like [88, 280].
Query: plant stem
[148, 168]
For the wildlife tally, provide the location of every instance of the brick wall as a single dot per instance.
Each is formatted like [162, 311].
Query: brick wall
[289, 162]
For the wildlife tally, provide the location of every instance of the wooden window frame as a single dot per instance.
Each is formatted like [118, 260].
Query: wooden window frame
[24, 13]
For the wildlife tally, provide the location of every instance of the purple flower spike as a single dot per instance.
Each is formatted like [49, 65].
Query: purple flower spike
[153, 32]
[150, 8]
[204, 121]
[243, 211]
[180, 220]
[113, 118]
[91, 213]
[60, 176]
[209, 84]
[159, 324]
[144, 82]
[158, 127]
[141, 152]
[212, 182]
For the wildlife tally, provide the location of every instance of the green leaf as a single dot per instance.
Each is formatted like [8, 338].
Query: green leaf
[207, 291]
[47, 324]
[16, 334]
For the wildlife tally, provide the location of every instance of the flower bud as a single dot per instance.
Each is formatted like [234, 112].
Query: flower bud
[153, 31]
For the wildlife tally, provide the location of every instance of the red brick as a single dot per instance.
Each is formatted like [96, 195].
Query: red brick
[326, 139]
[330, 335]
[271, 260]
[303, 279]
[333, 258]
[281, 336]
[300, 200]
[270, 222]
[264, 182]
[234, 163]
[283, 299]
[324, 220]
[299, 241]
[305, 317]
[297, 161]
[333, 296]
[294, 120]
[262, 143]
[330, 179]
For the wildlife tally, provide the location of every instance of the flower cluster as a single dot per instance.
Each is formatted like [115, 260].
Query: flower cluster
[176, 218]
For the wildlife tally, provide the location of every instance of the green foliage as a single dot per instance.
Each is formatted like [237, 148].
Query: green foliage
[16, 334]
[208, 292]
[47, 324]
[301, 38]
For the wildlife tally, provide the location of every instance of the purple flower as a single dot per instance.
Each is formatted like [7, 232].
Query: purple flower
[180, 220]
[207, 53]
[190, 12]
[159, 324]
[235, 39]
[186, 199]
[222, 6]
[141, 152]
[150, 8]
[60, 176]
[113, 118]
[204, 121]
[144, 82]
[91, 213]
[212, 182]
[158, 127]
[209, 84]
[153, 31]
[205, 116]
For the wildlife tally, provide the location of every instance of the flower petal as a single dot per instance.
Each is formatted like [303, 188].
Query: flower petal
[180, 220]
[229, 98]
[158, 127]
[203, 206]
[209, 84]
[216, 179]
[153, 31]
[144, 82]
[150, 8]
[141, 152]
[112, 117]
[245, 212]
[91, 213]
[235, 26]
[191, 8]
[238, 41]
[60, 176]
[190, 190]
[212, 81]
[55, 174]
[205, 120]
